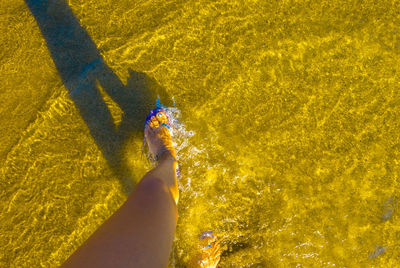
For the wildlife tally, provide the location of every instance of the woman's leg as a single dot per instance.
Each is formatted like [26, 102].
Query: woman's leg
[141, 231]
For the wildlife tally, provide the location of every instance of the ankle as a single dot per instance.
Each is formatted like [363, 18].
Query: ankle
[165, 155]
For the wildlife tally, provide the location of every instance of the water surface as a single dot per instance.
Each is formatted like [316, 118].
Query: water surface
[292, 106]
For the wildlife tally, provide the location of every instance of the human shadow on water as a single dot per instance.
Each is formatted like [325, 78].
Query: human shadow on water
[82, 69]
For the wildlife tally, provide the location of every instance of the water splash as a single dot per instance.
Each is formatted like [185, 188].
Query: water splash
[180, 135]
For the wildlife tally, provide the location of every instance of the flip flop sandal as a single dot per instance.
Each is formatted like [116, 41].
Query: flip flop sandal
[158, 119]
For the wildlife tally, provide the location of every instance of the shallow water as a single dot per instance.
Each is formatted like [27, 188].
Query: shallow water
[291, 111]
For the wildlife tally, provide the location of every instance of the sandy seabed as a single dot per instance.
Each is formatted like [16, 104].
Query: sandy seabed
[293, 109]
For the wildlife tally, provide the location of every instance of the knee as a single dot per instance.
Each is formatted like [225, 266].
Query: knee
[151, 190]
[151, 185]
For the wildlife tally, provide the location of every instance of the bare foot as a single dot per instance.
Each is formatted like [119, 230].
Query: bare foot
[158, 136]
[209, 252]
[159, 140]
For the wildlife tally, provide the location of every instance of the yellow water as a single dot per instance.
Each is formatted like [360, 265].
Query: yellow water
[294, 109]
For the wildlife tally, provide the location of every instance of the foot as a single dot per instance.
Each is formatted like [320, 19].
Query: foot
[158, 136]
[209, 252]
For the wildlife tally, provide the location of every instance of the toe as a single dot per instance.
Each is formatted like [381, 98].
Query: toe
[154, 122]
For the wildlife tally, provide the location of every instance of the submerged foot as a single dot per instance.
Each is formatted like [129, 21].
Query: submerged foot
[209, 252]
[163, 155]
[157, 134]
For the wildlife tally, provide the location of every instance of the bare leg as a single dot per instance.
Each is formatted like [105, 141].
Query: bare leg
[141, 231]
